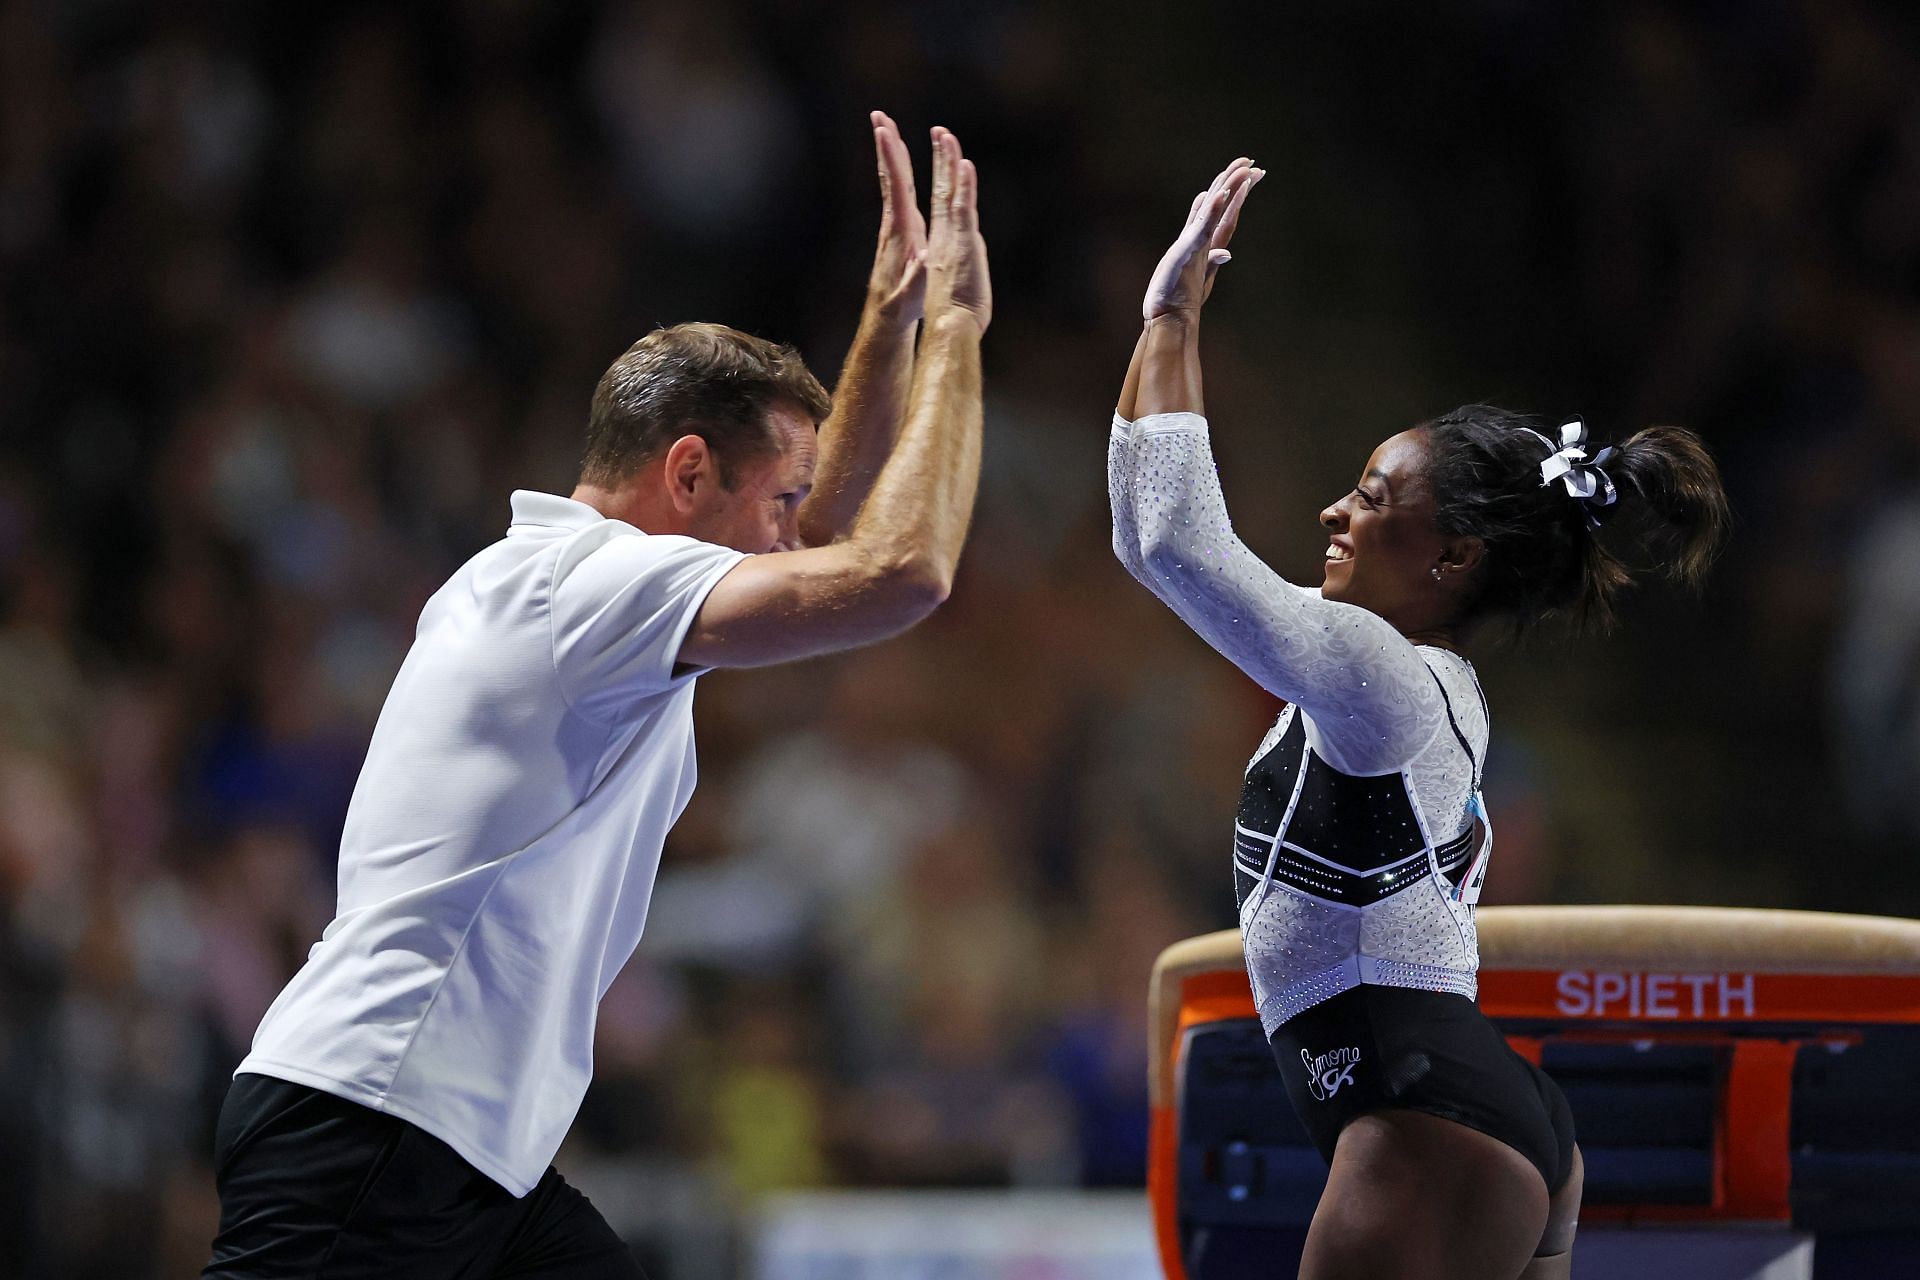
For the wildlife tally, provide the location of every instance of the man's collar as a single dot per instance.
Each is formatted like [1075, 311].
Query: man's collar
[532, 510]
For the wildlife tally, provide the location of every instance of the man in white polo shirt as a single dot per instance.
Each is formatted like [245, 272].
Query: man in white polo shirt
[406, 1093]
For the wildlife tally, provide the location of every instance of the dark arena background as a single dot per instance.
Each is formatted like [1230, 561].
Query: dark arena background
[293, 296]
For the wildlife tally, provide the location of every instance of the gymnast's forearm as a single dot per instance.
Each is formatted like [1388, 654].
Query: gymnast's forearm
[1126, 532]
[1163, 347]
[1168, 358]
[1123, 449]
[1196, 563]
[1127, 408]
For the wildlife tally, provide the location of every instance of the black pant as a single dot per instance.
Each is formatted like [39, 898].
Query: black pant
[315, 1186]
[1373, 1048]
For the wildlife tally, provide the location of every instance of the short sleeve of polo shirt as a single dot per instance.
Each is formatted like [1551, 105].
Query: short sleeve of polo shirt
[621, 612]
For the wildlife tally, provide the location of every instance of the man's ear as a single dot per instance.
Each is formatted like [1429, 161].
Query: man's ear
[1462, 554]
[689, 466]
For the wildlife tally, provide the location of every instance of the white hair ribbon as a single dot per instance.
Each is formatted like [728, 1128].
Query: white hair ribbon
[1585, 482]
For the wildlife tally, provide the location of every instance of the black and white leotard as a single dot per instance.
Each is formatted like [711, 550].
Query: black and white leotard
[1357, 858]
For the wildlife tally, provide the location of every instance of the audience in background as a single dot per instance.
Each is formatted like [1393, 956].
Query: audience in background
[290, 300]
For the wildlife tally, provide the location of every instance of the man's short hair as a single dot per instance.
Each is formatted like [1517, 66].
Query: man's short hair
[703, 380]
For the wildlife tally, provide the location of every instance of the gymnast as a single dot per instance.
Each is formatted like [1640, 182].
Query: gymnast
[1362, 841]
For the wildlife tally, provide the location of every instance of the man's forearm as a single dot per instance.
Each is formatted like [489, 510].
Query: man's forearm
[868, 404]
[922, 501]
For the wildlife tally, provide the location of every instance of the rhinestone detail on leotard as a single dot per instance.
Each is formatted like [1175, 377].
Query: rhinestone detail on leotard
[1374, 706]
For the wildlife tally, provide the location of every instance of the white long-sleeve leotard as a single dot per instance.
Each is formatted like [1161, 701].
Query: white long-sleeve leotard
[1356, 854]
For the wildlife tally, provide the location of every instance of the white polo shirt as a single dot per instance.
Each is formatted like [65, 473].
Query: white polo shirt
[502, 841]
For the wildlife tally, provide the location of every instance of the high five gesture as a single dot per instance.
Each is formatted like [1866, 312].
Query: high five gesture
[870, 400]
[1185, 275]
[957, 254]
[1164, 376]
[897, 289]
[900, 454]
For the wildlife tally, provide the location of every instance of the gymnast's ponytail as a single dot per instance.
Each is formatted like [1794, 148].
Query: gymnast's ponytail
[1558, 523]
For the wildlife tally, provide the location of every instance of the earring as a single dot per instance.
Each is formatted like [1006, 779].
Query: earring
[1436, 575]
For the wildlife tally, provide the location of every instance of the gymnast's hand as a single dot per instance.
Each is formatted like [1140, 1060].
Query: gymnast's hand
[897, 289]
[1184, 278]
[958, 283]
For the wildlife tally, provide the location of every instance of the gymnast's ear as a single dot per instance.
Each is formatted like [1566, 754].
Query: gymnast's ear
[1459, 556]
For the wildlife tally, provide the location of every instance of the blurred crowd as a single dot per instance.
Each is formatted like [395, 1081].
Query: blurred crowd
[291, 299]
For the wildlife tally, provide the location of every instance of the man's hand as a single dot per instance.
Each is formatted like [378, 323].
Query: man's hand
[897, 289]
[1184, 278]
[913, 492]
[956, 254]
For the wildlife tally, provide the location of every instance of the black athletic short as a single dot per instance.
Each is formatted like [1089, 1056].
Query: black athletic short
[316, 1187]
[1374, 1048]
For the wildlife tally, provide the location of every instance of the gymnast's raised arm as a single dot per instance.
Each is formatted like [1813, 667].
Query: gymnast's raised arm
[1367, 692]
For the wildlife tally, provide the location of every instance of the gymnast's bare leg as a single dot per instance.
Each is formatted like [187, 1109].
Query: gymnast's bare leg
[1415, 1197]
[1553, 1260]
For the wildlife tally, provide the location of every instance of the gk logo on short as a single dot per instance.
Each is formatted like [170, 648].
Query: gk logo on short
[1326, 1073]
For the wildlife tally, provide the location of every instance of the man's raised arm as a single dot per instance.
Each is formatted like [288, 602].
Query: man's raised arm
[871, 397]
[898, 562]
